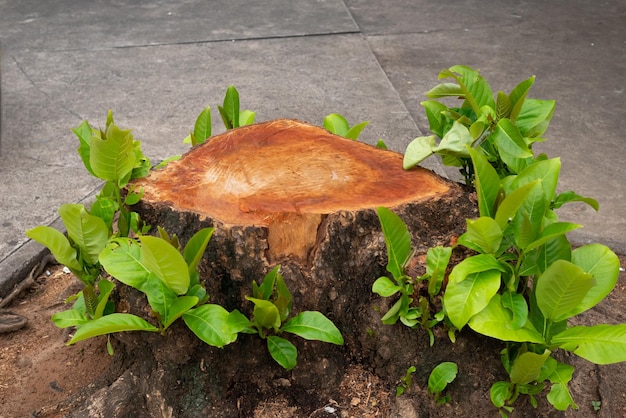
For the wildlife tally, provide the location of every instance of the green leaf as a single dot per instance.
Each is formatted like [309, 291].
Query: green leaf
[418, 150]
[266, 314]
[195, 247]
[199, 292]
[570, 196]
[535, 116]
[545, 170]
[475, 90]
[113, 158]
[166, 237]
[538, 260]
[485, 233]
[462, 116]
[246, 117]
[600, 344]
[115, 322]
[238, 322]
[212, 324]
[142, 163]
[441, 375]
[516, 304]
[456, 141]
[475, 264]
[164, 163]
[105, 209]
[336, 124]
[477, 128]
[282, 351]
[503, 106]
[527, 366]
[58, 245]
[83, 132]
[230, 109]
[487, 183]
[160, 296]
[283, 299]
[90, 299]
[500, 393]
[529, 217]
[202, 127]
[392, 315]
[89, 233]
[603, 265]
[266, 289]
[560, 289]
[451, 161]
[70, 318]
[124, 222]
[178, 308]
[437, 259]
[133, 197]
[121, 258]
[518, 97]
[384, 287]
[495, 321]
[397, 240]
[436, 120]
[105, 288]
[508, 208]
[109, 120]
[511, 145]
[356, 130]
[313, 325]
[445, 90]
[462, 300]
[158, 256]
[560, 396]
[551, 232]
[476, 86]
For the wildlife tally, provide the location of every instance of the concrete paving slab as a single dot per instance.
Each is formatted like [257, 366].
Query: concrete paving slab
[158, 91]
[427, 16]
[576, 61]
[71, 24]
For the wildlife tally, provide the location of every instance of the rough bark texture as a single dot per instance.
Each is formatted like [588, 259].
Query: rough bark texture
[291, 194]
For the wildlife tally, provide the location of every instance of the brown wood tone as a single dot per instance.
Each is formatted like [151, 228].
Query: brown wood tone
[286, 175]
[256, 174]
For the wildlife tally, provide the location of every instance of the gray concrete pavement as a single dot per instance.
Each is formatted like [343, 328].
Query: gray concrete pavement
[158, 63]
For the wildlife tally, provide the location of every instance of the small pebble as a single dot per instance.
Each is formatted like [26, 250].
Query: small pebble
[24, 362]
[282, 382]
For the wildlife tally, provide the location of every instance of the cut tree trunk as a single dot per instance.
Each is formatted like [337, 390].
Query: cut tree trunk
[285, 192]
[288, 193]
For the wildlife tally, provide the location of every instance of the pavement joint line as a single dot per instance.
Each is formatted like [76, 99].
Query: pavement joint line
[198, 42]
[251, 38]
[32, 83]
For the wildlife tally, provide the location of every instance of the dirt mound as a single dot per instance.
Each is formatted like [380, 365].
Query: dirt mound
[44, 378]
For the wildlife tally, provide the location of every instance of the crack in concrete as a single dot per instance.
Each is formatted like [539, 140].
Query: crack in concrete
[23, 71]
[204, 41]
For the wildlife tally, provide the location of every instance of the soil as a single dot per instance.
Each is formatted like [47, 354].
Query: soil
[42, 377]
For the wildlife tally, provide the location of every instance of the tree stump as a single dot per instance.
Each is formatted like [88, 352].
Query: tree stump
[285, 192]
